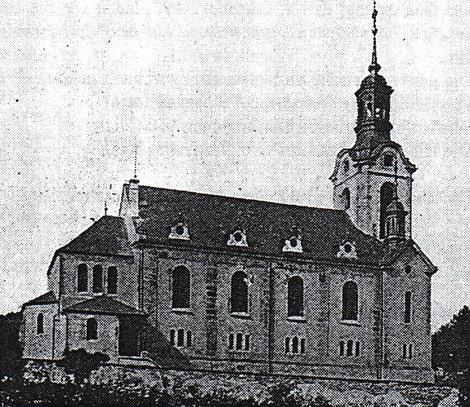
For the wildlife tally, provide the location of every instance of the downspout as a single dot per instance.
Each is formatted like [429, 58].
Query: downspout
[270, 318]
[53, 338]
[382, 331]
[141, 280]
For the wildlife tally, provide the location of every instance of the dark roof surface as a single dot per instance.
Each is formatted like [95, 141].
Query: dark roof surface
[212, 218]
[47, 298]
[107, 235]
[103, 305]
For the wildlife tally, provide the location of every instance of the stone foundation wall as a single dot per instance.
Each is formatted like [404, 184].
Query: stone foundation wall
[242, 386]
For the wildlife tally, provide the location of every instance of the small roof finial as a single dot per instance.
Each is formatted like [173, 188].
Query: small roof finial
[105, 208]
[135, 161]
[374, 66]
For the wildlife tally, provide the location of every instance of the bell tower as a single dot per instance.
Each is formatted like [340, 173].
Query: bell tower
[363, 178]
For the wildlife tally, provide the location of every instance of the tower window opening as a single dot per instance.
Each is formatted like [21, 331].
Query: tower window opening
[97, 279]
[112, 280]
[82, 278]
[91, 329]
[346, 198]
[302, 345]
[230, 341]
[295, 345]
[247, 342]
[408, 307]
[358, 348]
[388, 160]
[287, 345]
[181, 287]
[239, 341]
[349, 350]
[341, 348]
[386, 196]
[408, 269]
[350, 301]
[189, 338]
[239, 292]
[295, 297]
[172, 337]
[180, 337]
[40, 324]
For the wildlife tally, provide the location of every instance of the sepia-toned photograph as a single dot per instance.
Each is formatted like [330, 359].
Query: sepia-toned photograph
[216, 203]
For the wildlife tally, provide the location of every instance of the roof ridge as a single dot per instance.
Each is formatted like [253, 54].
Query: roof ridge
[241, 198]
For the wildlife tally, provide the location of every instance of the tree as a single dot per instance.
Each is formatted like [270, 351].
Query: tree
[451, 353]
[11, 364]
[81, 363]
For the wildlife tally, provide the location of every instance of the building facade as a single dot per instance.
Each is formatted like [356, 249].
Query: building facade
[194, 281]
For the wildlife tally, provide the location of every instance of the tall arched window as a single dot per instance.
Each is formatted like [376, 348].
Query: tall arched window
[112, 280]
[181, 288]
[408, 307]
[40, 324]
[386, 196]
[346, 198]
[97, 279]
[350, 301]
[82, 278]
[295, 297]
[91, 329]
[239, 292]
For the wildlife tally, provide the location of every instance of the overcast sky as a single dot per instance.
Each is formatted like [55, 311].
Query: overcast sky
[247, 98]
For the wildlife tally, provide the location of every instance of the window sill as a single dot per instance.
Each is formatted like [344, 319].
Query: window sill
[241, 315]
[351, 322]
[297, 319]
[187, 311]
[238, 351]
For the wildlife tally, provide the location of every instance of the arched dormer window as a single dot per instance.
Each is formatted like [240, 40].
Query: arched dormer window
[239, 292]
[112, 280]
[386, 196]
[180, 288]
[350, 301]
[346, 198]
[295, 297]
[293, 244]
[97, 279]
[40, 324]
[91, 329]
[82, 278]
[179, 231]
[237, 238]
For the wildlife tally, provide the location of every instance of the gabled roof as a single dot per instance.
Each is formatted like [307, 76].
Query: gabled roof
[47, 298]
[103, 305]
[391, 257]
[107, 236]
[212, 218]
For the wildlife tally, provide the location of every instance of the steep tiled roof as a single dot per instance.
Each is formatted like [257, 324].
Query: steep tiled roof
[106, 236]
[211, 219]
[103, 305]
[47, 298]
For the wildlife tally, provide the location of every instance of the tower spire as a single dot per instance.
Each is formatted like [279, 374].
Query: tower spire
[374, 66]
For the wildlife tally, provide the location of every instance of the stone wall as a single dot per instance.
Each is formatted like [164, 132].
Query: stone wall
[258, 387]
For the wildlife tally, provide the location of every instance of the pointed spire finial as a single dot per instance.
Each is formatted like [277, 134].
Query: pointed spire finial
[374, 66]
[105, 208]
[135, 162]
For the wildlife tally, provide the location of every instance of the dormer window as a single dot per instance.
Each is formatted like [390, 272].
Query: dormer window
[347, 250]
[388, 160]
[237, 238]
[293, 244]
[179, 231]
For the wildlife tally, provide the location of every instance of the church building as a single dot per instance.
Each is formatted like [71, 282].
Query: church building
[185, 280]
